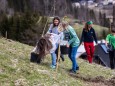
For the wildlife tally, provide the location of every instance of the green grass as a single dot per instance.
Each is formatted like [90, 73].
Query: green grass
[16, 69]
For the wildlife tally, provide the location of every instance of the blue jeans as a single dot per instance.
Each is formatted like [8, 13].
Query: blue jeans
[53, 55]
[72, 56]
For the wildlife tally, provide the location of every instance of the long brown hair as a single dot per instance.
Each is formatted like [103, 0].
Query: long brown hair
[56, 18]
[86, 27]
[43, 46]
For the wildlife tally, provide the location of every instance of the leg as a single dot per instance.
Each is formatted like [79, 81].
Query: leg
[114, 59]
[61, 55]
[53, 55]
[92, 49]
[73, 57]
[87, 48]
[111, 56]
[70, 53]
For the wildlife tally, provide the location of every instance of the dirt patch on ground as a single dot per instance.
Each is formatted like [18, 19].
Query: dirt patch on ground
[111, 82]
[94, 84]
[96, 81]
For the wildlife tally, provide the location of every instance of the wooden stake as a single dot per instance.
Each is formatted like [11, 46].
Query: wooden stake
[58, 58]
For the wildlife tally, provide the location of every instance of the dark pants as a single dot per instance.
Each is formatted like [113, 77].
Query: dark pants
[112, 59]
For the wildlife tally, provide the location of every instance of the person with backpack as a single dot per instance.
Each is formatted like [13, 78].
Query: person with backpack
[88, 37]
[55, 30]
[110, 42]
[73, 44]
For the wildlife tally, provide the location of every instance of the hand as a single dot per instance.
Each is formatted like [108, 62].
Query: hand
[96, 43]
[82, 43]
[106, 44]
[48, 34]
[67, 45]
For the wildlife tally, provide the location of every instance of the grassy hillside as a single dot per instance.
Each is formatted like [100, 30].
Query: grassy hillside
[16, 70]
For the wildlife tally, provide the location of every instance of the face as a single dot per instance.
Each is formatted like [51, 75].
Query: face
[90, 25]
[56, 22]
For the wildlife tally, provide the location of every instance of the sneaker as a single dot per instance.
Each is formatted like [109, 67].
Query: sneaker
[72, 72]
[53, 66]
[77, 68]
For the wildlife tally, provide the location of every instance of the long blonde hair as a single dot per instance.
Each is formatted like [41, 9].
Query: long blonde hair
[65, 24]
[60, 28]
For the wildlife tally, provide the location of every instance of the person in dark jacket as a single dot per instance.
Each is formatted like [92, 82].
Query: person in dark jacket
[87, 38]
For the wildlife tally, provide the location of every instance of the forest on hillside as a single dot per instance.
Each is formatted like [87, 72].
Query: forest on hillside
[40, 6]
[19, 18]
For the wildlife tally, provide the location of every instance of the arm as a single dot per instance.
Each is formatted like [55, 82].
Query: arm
[107, 40]
[74, 36]
[35, 50]
[50, 29]
[94, 36]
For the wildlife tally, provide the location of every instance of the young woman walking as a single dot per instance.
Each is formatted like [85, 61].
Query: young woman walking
[88, 37]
